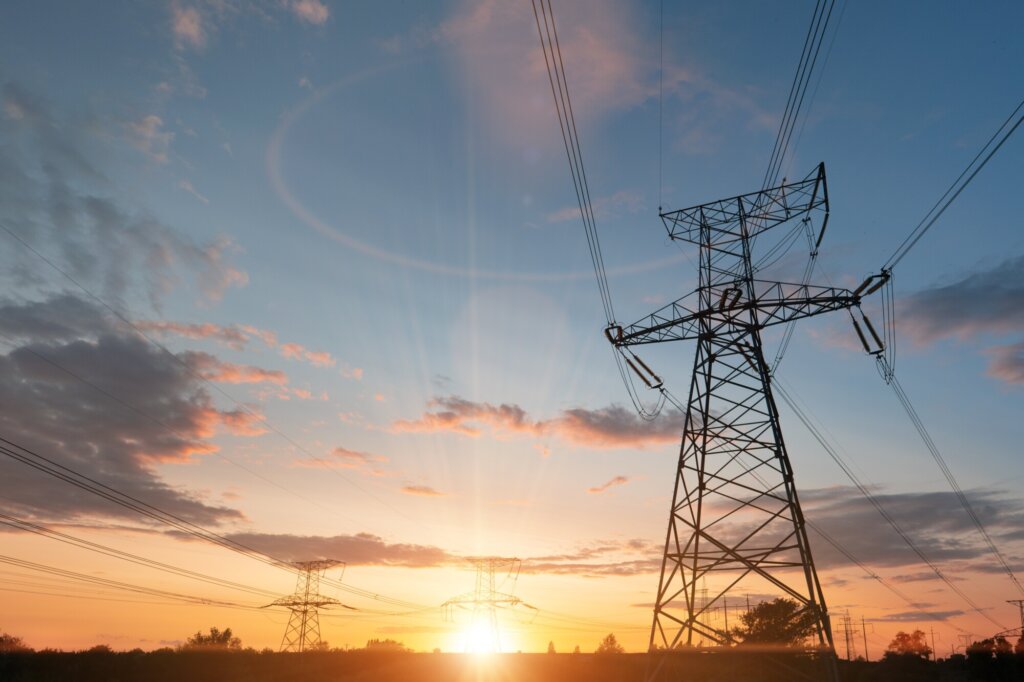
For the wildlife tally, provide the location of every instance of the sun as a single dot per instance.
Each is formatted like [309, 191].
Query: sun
[480, 638]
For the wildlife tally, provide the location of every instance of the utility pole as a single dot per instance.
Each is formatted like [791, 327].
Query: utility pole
[935, 652]
[848, 634]
[1020, 606]
[485, 600]
[735, 513]
[303, 630]
[864, 631]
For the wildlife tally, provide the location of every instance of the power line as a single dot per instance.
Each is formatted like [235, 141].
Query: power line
[570, 138]
[876, 503]
[66, 538]
[933, 449]
[196, 375]
[1003, 133]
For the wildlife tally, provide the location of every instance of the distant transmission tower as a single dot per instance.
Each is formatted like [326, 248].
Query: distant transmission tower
[485, 600]
[735, 518]
[303, 631]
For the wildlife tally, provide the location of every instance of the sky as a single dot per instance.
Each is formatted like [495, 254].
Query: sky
[310, 274]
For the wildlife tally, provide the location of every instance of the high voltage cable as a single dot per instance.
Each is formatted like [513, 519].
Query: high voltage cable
[570, 138]
[933, 449]
[1003, 133]
[162, 424]
[242, 406]
[83, 482]
[66, 538]
[876, 503]
[117, 584]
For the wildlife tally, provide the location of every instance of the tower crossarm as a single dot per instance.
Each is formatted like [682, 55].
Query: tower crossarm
[729, 308]
[750, 214]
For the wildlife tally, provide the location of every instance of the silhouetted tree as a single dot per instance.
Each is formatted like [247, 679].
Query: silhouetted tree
[913, 644]
[101, 649]
[217, 639]
[12, 644]
[551, 647]
[780, 622]
[386, 645]
[576, 649]
[609, 645]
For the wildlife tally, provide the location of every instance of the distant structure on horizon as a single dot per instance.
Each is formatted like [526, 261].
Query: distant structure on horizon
[483, 602]
[303, 631]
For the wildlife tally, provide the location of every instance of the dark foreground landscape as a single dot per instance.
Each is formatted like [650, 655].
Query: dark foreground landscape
[252, 666]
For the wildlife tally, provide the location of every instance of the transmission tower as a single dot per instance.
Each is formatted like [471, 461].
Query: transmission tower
[303, 631]
[485, 600]
[1020, 606]
[735, 519]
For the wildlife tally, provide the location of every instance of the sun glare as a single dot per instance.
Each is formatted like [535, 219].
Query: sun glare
[479, 638]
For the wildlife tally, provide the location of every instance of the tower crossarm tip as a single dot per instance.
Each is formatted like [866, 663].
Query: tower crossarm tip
[774, 303]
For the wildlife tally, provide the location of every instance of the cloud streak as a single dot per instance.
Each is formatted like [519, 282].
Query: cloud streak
[607, 427]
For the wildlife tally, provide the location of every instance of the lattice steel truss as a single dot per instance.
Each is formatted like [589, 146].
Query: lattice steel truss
[303, 631]
[735, 526]
[485, 599]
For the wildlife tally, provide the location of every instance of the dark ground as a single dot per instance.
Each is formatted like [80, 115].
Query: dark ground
[252, 666]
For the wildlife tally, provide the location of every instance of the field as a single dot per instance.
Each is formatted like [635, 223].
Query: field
[252, 666]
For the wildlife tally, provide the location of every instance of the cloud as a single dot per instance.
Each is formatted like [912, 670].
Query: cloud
[187, 27]
[985, 302]
[1007, 363]
[607, 427]
[361, 549]
[603, 488]
[604, 207]
[317, 358]
[343, 458]
[55, 389]
[148, 137]
[310, 11]
[917, 616]
[601, 559]
[187, 186]
[934, 520]
[611, 63]
[234, 336]
[238, 336]
[56, 198]
[422, 491]
[212, 368]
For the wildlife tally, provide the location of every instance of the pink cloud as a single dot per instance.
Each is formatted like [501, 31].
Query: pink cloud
[422, 491]
[148, 136]
[604, 487]
[187, 25]
[1006, 363]
[229, 336]
[344, 458]
[608, 427]
[300, 352]
[311, 11]
[211, 368]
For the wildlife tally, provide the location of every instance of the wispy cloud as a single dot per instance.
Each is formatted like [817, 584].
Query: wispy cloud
[237, 336]
[607, 427]
[310, 11]
[187, 186]
[344, 458]
[187, 27]
[622, 202]
[422, 491]
[604, 487]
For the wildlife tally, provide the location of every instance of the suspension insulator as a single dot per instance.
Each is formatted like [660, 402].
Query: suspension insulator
[860, 335]
[650, 371]
[638, 373]
[730, 297]
[874, 335]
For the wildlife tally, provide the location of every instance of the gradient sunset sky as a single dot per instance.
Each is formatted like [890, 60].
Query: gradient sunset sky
[355, 221]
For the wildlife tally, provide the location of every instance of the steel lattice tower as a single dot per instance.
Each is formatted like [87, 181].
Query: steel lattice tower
[303, 631]
[485, 600]
[735, 526]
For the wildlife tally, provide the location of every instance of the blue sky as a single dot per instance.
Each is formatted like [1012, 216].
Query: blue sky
[382, 185]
